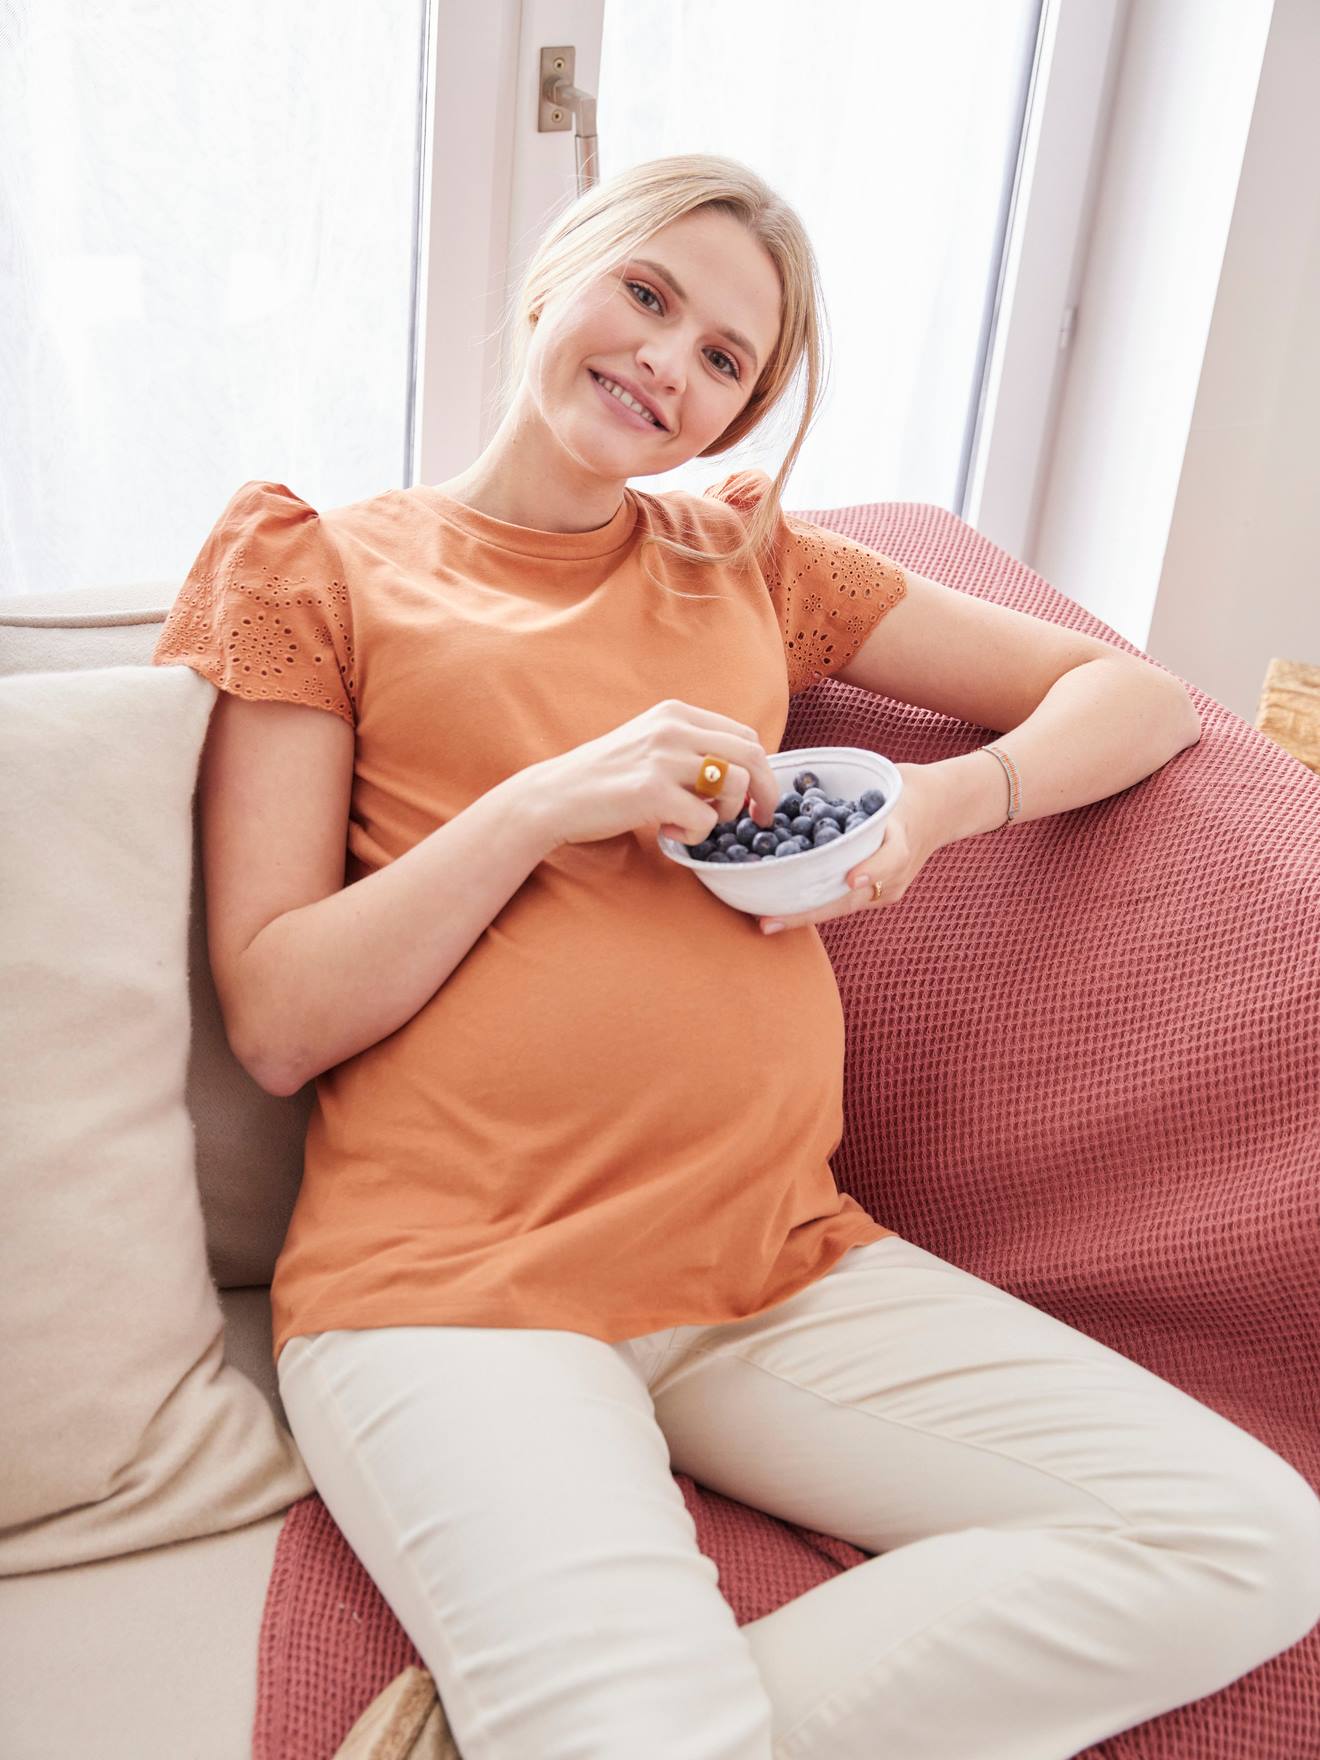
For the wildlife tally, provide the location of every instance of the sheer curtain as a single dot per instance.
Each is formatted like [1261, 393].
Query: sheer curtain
[893, 129]
[207, 241]
[208, 225]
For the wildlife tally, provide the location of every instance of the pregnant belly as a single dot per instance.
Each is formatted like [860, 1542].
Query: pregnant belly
[660, 1012]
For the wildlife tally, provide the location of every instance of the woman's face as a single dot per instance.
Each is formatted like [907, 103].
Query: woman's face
[661, 321]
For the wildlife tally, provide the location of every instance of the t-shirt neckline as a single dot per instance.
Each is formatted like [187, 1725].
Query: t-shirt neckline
[526, 540]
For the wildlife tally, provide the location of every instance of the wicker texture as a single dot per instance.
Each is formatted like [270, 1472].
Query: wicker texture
[1289, 710]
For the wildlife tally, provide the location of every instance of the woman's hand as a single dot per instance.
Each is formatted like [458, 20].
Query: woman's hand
[914, 830]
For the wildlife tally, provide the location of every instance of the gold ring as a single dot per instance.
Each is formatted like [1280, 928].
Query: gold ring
[710, 777]
[875, 892]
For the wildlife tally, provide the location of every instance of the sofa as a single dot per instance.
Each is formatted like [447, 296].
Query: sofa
[1082, 1063]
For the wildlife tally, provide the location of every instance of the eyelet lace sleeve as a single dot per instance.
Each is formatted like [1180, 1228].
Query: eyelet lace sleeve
[829, 591]
[264, 612]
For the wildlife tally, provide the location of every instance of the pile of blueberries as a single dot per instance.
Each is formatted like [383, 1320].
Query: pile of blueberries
[806, 818]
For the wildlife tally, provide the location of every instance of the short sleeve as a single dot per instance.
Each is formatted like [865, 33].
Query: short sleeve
[829, 591]
[264, 612]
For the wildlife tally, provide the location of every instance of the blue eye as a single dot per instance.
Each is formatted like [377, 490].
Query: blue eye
[718, 351]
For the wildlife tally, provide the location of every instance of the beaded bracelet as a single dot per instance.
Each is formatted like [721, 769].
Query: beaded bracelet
[1014, 786]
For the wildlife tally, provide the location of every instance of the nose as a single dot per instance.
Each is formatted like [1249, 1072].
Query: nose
[658, 370]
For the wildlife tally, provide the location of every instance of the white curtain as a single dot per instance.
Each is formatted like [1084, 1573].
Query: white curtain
[207, 225]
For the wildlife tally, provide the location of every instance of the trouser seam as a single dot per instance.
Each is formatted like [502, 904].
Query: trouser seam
[1121, 1519]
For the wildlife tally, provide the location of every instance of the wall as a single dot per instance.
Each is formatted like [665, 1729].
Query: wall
[1148, 304]
[1241, 581]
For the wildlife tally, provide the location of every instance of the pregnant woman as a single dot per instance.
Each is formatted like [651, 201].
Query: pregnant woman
[568, 1222]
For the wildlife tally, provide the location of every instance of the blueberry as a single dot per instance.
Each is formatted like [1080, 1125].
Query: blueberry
[806, 818]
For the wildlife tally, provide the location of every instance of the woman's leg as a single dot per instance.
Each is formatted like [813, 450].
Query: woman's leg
[510, 1494]
[1068, 1544]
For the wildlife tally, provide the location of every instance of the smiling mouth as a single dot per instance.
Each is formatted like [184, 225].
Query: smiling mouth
[650, 422]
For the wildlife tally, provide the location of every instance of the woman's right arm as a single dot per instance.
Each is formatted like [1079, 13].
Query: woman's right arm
[309, 971]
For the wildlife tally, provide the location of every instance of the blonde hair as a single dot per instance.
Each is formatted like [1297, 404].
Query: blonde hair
[608, 223]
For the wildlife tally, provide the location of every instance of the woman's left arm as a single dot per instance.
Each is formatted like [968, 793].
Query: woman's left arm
[1102, 726]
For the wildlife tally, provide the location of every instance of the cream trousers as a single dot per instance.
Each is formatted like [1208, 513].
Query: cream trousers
[1064, 1543]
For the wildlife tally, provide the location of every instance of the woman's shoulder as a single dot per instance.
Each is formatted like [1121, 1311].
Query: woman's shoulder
[383, 519]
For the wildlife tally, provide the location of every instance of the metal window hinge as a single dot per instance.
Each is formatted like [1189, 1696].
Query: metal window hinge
[558, 101]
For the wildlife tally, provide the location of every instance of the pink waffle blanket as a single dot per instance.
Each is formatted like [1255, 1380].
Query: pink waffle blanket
[1082, 1064]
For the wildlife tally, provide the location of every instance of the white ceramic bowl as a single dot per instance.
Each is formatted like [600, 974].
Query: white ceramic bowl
[814, 877]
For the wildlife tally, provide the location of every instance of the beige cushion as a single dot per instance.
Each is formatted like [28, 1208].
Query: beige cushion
[249, 1143]
[125, 1428]
[149, 1657]
[162, 1644]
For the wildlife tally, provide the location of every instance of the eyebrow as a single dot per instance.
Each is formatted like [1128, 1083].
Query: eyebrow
[734, 336]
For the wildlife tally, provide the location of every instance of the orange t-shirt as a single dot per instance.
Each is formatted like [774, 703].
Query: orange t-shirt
[617, 1113]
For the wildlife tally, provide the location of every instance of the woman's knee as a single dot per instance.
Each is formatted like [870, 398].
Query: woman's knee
[1264, 1535]
[1289, 1511]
